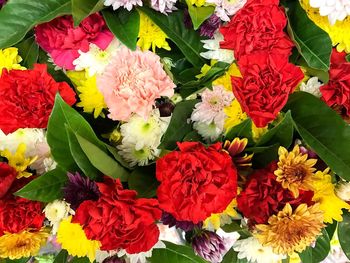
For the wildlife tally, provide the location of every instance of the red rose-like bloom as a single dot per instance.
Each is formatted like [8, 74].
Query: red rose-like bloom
[267, 81]
[262, 196]
[7, 176]
[27, 98]
[196, 181]
[17, 214]
[62, 40]
[119, 220]
[258, 26]
[337, 91]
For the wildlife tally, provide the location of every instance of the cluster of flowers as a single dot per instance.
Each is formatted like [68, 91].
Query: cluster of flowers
[205, 184]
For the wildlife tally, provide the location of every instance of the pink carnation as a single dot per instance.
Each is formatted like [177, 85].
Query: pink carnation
[132, 82]
[62, 40]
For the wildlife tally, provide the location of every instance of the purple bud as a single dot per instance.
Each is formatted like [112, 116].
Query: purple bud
[168, 219]
[114, 259]
[209, 26]
[209, 246]
[166, 108]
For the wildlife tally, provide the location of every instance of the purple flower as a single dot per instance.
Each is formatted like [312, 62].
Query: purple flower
[168, 219]
[113, 259]
[78, 189]
[2, 3]
[209, 246]
[209, 26]
[166, 108]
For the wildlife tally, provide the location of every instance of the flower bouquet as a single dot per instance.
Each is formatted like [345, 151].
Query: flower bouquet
[170, 131]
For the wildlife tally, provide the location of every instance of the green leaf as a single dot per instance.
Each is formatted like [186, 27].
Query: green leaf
[242, 130]
[143, 180]
[83, 8]
[62, 114]
[282, 133]
[28, 49]
[199, 14]
[101, 160]
[21, 260]
[80, 260]
[347, 57]
[264, 155]
[79, 156]
[61, 257]
[330, 228]
[323, 130]
[306, 256]
[17, 17]
[187, 40]
[124, 25]
[230, 257]
[175, 254]
[313, 43]
[45, 188]
[178, 126]
[343, 233]
[117, 156]
[319, 252]
[233, 227]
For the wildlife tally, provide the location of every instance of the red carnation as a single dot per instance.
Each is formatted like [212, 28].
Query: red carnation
[7, 177]
[27, 98]
[258, 26]
[336, 93]
[263, 196]
[119, 220]
[17, 214]
[266, 84]
[196, 181]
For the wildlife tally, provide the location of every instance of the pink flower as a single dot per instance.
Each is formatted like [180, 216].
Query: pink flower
[132, 82]
[62, 40]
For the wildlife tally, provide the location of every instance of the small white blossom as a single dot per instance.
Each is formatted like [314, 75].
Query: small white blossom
[312, 86]
[127, 4]
[140, 257]
[56, 211]
[226, 8]
[333, 9]
[163, 6]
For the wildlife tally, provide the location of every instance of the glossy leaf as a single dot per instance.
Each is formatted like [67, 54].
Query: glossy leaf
[175, 254]
[61, 257]
[343, 233]
[143, 181]
[199, 14]
[187, 40]
[101, 160]
[313, 43]
[330, 228]
[178, 126]
[28, 49]
[319, 252]
[232, 227]
[242, 130]
[83, 8]
[323, 130]
[230, 257]
[17, 17]
[45, 188]
[124, 25]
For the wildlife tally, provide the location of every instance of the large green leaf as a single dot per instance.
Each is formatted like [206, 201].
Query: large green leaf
[20, 260]
[143, 180]
[28, 49]
[101, 160]
[62, 114]
[199, 14]
[45, 188]
[17, 17]
[175, 254]
[344, 233]
[319, 252]
[323, 130]
[187, 40]
[313, 43]
[61, 257]
[242, 130]
[230, 257]
[178, 126]
[84, 8]
[124, 25]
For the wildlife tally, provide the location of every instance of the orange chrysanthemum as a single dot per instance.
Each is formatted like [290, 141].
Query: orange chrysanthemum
[295, 170]
[290, 231]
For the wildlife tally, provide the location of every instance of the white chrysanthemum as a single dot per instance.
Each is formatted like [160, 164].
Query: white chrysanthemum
[211, 108]
[226, 8]
[312, 86]
[251, 249]
[137, 156]
[163, 6]
[56, 211]
[140, 257]
[36, 145]
[343, 191]
[214, 50]
[95, 60]
[127, 4]
[208, 131]
[333, 9]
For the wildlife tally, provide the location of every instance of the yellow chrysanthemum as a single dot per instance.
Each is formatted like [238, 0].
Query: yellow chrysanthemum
[291, 231]
[22, 244]
[18, 160]
[197, 3]
[225, 80]
[91, 99]
[150, 35]
[72, 237]
[339, 32]
[215, 221]
[10, 59]
[324, 194]
[295, 171]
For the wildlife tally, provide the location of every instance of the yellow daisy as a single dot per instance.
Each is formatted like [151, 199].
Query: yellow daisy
[225, 80]
[215, 221]
[10, 59]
